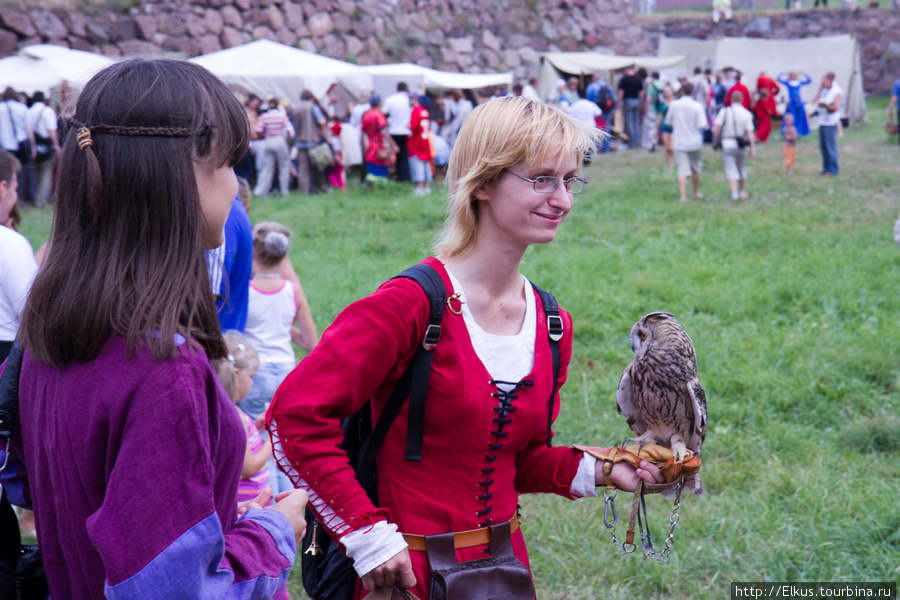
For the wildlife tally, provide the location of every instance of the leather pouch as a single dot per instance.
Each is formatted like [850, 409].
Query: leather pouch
[500, 575]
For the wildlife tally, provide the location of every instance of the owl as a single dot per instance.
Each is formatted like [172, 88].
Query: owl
[659, 392]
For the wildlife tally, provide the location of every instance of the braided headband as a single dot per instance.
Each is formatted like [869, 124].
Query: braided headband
[85, 140]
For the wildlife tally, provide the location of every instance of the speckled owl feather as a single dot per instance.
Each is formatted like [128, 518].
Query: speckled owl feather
[659, 392]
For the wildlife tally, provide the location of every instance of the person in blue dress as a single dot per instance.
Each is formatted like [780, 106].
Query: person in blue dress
[795, 103]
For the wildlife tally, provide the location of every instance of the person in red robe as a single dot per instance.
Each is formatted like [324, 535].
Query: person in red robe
[764, 110]
[739, 87]
[764, 82]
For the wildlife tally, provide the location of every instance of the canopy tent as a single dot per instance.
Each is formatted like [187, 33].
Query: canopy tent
[559, 65]
[386, 77]
[44, 67]
[264, 67]
[813, 56]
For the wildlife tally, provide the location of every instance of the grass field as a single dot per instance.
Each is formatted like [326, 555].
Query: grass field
[791, 298]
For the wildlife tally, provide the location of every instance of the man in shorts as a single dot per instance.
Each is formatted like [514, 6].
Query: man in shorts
[687, 117]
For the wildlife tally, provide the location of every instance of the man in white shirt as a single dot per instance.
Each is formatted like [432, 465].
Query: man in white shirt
[17, 137]
[687, 117]
[829, 105]
[585, 111]
[42, 119]
[734, 129]
[398, 111]
[17, 265]
[530, 90]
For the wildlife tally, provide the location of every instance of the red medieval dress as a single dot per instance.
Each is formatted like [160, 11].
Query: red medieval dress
[764, 110]
[476, 461]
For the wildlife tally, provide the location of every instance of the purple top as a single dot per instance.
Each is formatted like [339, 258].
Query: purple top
[124, 507]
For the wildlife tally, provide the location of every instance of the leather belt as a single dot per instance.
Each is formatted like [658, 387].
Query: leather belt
[461, 539]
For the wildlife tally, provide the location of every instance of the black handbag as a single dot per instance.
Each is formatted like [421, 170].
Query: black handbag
[501, 575]
[22, 573]
[44, 149]
[742, 140]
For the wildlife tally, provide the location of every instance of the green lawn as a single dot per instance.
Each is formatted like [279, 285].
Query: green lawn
[791, 298]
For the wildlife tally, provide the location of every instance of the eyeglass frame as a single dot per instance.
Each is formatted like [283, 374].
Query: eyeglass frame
[567, 182]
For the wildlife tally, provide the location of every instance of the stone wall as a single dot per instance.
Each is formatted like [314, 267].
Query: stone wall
[876, 29]
[464, 35]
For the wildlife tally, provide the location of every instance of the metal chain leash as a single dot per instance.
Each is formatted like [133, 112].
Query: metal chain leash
[648, 550]
[673, 522]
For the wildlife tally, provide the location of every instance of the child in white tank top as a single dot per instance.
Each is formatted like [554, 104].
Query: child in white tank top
[277, 315]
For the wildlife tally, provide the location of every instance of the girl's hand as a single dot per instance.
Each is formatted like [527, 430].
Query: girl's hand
[264, 496]
[291, 504]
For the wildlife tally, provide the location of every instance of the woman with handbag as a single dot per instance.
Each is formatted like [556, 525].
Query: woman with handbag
[486, 430]
[132, 449]
[734, 133]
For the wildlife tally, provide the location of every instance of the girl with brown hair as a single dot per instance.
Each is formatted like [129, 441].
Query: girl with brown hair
[117, 334]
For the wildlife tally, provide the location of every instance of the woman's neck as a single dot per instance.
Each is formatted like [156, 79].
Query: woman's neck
[493, 270]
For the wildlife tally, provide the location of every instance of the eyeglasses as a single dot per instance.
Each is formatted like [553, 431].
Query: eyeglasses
[546, 184]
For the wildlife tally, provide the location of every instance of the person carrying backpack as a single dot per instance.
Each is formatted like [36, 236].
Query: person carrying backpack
[600, 93]
[492, 394]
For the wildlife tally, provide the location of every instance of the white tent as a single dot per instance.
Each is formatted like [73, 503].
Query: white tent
[814, 56]
[263, 67]
[43, 67]
[559, 65]
[386, 77]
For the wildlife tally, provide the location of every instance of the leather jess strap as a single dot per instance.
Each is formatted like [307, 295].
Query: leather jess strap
[462, 539]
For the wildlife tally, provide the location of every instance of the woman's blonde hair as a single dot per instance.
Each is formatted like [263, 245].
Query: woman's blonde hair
[500, 134]
[270, 242]
[241, 355]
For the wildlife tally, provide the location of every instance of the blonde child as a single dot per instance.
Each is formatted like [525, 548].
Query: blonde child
[236, 373]
[790, 135]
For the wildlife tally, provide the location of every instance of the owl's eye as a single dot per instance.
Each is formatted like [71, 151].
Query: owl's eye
[643, 336]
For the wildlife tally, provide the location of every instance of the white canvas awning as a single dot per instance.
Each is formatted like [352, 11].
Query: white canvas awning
[386, 77]
[264, 67]
[813, 56]
[559, 65]
[43, 67]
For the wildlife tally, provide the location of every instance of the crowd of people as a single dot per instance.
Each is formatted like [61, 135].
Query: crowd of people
[311, 144]
[406, 136]
[644, 111]
[28, 129]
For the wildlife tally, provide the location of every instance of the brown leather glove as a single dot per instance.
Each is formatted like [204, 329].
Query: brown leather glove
[660, 456]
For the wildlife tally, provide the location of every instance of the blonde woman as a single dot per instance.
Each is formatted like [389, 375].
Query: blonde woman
[513, 174]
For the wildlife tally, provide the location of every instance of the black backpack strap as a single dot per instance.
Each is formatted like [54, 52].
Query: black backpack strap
[434, 288]
[554, 333]
[414, 382]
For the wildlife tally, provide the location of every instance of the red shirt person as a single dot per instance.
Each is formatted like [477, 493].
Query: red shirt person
[374, 126]
[740, 87]
[418, 145]
[764, 110]
[764, 82]
[419, 124]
